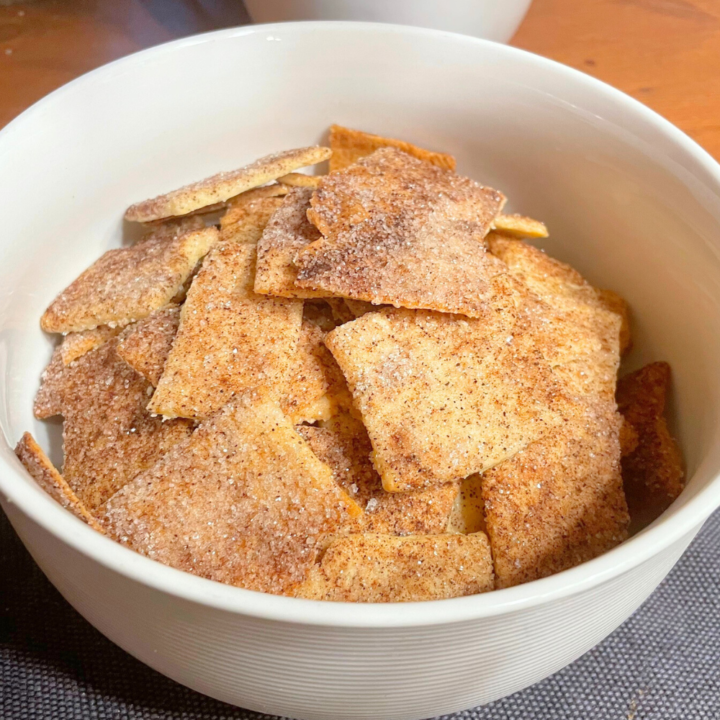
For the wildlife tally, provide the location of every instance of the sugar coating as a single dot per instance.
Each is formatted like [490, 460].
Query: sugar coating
[75, 345]
[245, 221]
[387, 568]
[50, 480]
[348, 146]
[560, 501]
[243, 501]
[617, 304]
[230, 339]
[127, 284]
[172, 228]
[399, 231]
[225, 185]
[288, 232]
[520, 226]
[652, 471]
[343, 444]
[145, 346]
[237, 207]
[300, 180]
[444, 396]
[468, 511]
[48, 401]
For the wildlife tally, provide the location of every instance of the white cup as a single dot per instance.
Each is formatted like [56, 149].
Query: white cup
[491, 19]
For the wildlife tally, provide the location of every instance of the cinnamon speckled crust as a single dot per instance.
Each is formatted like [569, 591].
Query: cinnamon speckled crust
[560, 501]
[145, 346]
[387, 568]
[300, 180]
[225, 185]
[48, 401]
[348, 146]
[519, 226]
[653, 472]
[237, 206]
[468, 510]
[288, 232]
[402, 232]
[343, 444]
[249, 218]
[50, 480]
[75, 345]
[108, 435]
[230, 339]
[617, 304]
[243, 501]
[172, 228]
[127, 284]
[444, 396]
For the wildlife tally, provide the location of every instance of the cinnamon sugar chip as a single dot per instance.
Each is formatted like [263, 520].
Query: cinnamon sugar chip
[172, 228]
[288, 232]
[108, 435]
[243, 501]
[653, 472]
[50, 480]
[75, 345]
[386, 568]
[300, 180]
[348, 146]
[468, 511]
[251, 218]
[127, 284]
[48, 401]
[520, 226]
[230, 339]
[402, 232]
[344, 445]
[445, 396]
[559, 502]
[237, 207]
[316, 386]
[225, 185]
[146, 345]
[617, 304]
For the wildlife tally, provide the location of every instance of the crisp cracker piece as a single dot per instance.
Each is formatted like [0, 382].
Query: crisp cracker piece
[50, 480]
[300, 180]
[48, 400]
[237, 207]
[127, 284]
[344, 445]
[520, 226]
[108, 435]
[653, 472]
[468, 511]
[230, 339]
[249, 218]
[225, 185]
[243, 501]
[288, 232]
[386, 568]
[75, 345]
[348, 146]
[617, 304]
[402, 232]
[146, 345]
[171, 228]
[560, 501]
[316, 387]
[445, 396]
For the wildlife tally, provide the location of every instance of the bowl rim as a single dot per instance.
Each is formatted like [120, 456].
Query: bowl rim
[671, 528]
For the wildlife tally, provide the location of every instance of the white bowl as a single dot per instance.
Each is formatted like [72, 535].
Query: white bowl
[488, 19]
[629, 199]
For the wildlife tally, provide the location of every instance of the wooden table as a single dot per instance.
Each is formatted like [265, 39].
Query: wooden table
[666, 53]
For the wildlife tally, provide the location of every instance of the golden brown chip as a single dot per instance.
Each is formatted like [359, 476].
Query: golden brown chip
[628, 438]
[288, 232]
[252, 218]
[653, 472]
[127, 284]
[50, 480]
[520, 226]
[75, 345]
[172, 228]
[402, 232]
[300, 180]
[244, 501]
[344, 445]
[468, 511]
[225, 185]
[146, 345]
[230, 339]
[348, 146]
[560, 501]
[445, 396]
[617, 304]
[237, 207]
[387, 568]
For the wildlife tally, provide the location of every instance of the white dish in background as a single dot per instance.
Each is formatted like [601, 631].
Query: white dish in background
[629, 200]
[489, 19]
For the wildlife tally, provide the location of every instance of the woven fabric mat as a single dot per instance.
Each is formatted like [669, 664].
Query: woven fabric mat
[662, 664]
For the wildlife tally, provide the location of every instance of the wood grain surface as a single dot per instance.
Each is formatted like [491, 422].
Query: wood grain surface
[665, 53]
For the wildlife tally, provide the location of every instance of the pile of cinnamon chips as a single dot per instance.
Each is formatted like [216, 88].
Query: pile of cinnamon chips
[359, 386]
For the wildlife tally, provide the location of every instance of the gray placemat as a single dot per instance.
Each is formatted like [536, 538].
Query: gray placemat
[662, 664]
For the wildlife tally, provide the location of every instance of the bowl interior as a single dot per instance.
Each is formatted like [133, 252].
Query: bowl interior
[629, 201]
